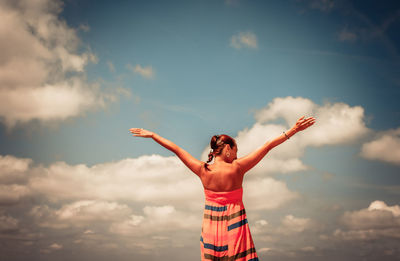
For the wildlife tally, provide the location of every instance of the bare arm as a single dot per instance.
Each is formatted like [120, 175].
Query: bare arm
[248, 162]
[192, 163]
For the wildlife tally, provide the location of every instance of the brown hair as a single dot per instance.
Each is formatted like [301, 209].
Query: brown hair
[217, 143]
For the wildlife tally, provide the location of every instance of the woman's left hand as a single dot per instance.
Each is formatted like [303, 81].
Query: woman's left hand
[141, 132]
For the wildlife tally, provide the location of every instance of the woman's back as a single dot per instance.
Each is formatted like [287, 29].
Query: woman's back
[221, 176]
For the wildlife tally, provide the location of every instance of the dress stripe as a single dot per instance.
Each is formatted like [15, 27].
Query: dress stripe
[208, 207]
[235, 257]
[226, 217]
[238, 224]
[215, 248]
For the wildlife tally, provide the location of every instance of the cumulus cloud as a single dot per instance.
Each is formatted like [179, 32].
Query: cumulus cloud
[146, 72]
[336, 123]
[377, 221]
[150, 178]
[159, 220]
[148, 197]
[266, 193]
[385, 147]
[13, 193]
[13, 170]
[291, 224]
[42, 70]
[244, 39]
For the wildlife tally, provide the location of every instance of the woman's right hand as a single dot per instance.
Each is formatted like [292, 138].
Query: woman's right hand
[141, 132]
[303, 123]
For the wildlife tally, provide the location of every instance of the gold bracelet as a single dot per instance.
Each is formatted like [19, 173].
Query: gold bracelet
[286, 135]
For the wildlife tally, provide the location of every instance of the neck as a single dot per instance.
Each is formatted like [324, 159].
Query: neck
[219, 159]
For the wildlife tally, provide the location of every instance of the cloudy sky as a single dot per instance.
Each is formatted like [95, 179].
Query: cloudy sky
[76, 75]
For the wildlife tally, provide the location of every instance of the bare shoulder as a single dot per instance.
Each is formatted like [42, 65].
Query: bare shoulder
[236, 167]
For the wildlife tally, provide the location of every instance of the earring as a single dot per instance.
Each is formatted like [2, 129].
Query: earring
[228, 154]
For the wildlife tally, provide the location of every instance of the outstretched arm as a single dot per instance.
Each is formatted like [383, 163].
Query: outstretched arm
[247, 162]
[192, 163]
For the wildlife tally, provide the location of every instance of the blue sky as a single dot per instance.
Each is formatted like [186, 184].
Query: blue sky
[76, 75]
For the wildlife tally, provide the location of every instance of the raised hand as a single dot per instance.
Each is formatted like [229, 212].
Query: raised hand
[304, 123]
[141, 132]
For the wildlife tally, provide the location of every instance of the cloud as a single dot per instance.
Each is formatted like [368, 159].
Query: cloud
[154, 178]
[266, 193]
[385, 147]
[377, 221]
[13, 194]
[336, 123]
[81, 213]
[291, 224]
[8, 223]
[146, 72]
[42, 67]
[55, 246]
[13, 170]
[146, 198]
[244, 39]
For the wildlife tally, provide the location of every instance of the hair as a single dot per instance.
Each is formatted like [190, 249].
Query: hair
[217, 144]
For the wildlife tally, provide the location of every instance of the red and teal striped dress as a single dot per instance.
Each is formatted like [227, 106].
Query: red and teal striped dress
[225, 233]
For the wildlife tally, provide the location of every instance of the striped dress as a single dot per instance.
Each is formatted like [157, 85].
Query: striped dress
[225, 233]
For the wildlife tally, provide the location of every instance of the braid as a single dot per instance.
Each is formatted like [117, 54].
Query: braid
[210, 157]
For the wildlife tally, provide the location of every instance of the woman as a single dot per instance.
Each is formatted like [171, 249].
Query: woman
[225, 232]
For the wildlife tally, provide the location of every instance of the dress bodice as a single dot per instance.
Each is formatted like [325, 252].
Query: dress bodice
[224, 197]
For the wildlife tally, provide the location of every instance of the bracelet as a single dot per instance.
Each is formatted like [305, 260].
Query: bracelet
[286, 135]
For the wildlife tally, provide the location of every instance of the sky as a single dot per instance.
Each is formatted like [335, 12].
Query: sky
[75, 76]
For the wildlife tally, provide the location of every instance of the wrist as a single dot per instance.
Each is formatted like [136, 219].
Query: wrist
[291, 132]
[294, 129]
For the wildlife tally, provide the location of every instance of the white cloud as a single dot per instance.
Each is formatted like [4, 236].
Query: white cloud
[244, 39]
[376, 221]
[158, 220]
[145, 179]
[146, 72]
[291, 224]
[336, 123]
[42, 70]
[266, 193]
[12, 169]
[386, 147]
[80, 214]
